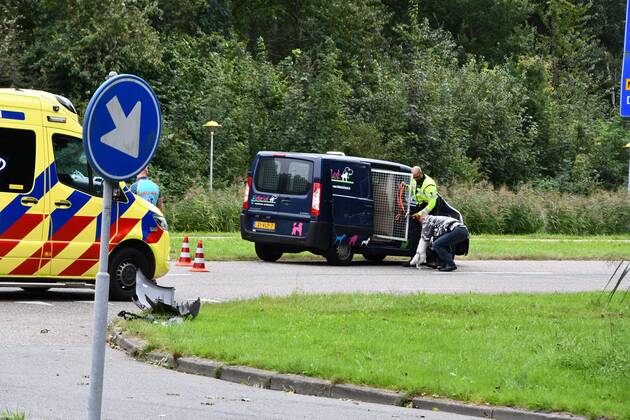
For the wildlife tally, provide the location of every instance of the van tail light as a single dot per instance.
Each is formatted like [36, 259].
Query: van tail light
[248, 187]
[317, 198]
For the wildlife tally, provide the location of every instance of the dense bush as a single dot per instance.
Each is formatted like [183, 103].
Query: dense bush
[201, 210]
[512, 92]
[485, 210]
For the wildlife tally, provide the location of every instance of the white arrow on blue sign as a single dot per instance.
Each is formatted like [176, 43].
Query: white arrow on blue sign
[122, 126]
[624, 109]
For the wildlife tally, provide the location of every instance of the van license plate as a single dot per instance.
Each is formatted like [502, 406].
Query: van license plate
[264, 225]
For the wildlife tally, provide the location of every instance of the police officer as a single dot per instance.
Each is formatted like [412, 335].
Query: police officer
[147, 189]
[423, 191]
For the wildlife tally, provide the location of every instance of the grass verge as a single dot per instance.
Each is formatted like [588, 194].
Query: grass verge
[561, 352]
[230, 246]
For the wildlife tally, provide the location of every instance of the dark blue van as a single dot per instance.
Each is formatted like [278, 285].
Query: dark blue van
[329, 204]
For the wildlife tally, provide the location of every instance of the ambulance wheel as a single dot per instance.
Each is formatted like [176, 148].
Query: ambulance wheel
[339, 254]
[123, 266]
[267, 253]
[374, 257]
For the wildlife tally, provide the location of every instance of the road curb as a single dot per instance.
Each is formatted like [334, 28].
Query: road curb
[305, 385]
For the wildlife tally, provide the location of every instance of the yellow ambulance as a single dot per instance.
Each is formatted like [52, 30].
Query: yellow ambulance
[50, 205]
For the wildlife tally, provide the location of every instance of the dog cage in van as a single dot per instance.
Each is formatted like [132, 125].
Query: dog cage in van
[392, 201]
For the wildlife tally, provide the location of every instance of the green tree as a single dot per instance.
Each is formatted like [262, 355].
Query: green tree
[74, 45]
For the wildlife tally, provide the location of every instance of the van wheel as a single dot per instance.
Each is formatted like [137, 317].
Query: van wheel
[123, 266]
[267, 253]
[339, 254]
[374, 257]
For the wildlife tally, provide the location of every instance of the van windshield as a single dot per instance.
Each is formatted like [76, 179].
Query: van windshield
[281, 175]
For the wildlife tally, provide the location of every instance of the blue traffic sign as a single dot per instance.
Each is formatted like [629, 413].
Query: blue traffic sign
[122, 127]
[625, 86]
[624, 98]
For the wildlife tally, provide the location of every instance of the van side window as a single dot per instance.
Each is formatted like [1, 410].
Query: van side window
[72, 166]
[17, 160]
[283, 176]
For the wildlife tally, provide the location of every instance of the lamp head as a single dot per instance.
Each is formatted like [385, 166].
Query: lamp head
[212, 125]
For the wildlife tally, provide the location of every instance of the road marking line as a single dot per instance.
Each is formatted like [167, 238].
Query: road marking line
[529, 273]
[211, 301]
[35, 303]
[90, 301]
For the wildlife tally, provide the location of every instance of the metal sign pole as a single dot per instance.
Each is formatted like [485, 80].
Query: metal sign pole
[100, 310]
[211, 156]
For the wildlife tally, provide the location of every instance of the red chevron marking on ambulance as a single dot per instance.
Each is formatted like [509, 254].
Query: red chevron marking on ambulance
[51, 248]
[124, 227]
[22, 227]
[28, 267]
[90, 257]
[35, 262]
[6, 246]
[78, 267]
[72, 228]
[154, 236]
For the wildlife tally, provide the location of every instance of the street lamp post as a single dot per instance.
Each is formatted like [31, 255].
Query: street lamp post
[627, 146]
[212, 126]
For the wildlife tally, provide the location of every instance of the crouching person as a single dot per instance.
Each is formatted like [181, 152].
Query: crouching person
[443, 233]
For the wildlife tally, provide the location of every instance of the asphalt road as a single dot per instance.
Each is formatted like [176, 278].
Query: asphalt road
[45, 338]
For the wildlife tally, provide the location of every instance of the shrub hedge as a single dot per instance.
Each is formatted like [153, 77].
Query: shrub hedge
[485, 210]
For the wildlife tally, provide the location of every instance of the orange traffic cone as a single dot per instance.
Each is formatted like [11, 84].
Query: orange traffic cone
[184, 256]
[200, 264]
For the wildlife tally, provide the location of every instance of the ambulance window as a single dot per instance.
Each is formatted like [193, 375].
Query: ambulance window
[17, 160]
[72, 166]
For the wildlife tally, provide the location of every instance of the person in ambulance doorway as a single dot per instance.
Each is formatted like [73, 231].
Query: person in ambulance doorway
[425, 200]
[147, 189]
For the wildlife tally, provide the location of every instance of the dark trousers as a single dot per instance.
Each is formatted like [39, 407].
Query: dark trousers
[442, 245]
[415, 229]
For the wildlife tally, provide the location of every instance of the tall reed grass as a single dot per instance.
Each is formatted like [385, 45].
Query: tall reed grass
[485, 210]
[527, 210]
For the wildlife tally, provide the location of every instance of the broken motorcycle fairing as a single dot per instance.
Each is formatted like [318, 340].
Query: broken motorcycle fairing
[160, 299]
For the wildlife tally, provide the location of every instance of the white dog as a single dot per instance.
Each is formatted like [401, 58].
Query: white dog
[421, 253]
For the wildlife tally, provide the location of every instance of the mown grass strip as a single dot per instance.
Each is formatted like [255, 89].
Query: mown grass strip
[230, 246]
[565, 352]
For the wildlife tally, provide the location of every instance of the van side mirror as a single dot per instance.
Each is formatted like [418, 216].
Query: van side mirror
[119, 195]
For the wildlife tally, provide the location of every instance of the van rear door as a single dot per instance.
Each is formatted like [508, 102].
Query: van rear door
[280, 202]
[352, 200]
